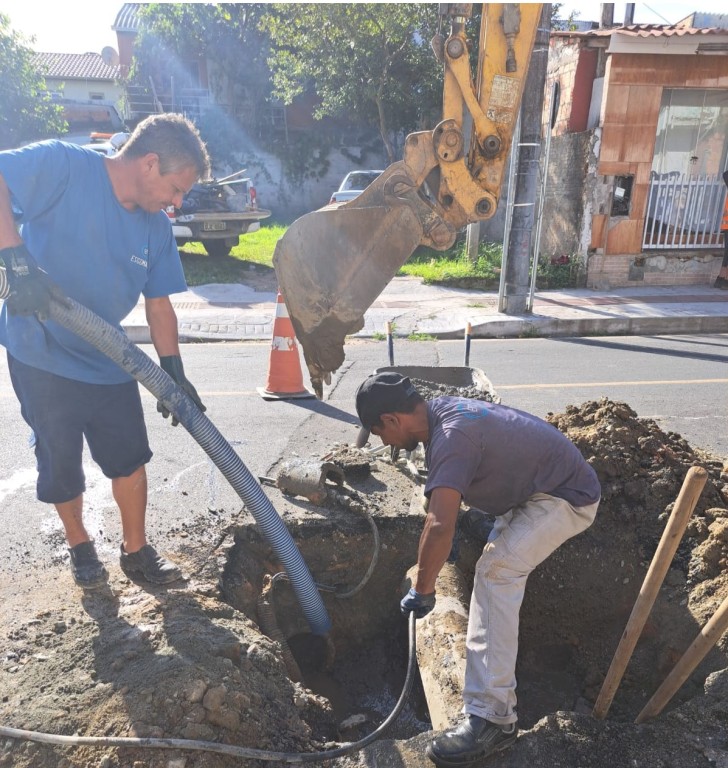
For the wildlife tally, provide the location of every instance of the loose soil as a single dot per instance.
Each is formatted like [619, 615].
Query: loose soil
[192, 662]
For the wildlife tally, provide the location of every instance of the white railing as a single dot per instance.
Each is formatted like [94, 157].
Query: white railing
[683, 212]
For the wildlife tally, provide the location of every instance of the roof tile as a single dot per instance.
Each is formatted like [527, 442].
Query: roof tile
[75, 66]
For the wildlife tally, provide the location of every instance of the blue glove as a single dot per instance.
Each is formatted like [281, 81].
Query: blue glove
[31, 290]
[172, 364]
[414, 602]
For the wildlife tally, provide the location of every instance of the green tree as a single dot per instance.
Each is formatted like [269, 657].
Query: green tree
[174, 37]
[26, 110]
[366, 62]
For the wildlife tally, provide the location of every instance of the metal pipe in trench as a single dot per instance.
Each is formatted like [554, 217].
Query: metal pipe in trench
[116, 345]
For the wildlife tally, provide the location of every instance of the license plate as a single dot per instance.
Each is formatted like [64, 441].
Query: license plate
[213, 226]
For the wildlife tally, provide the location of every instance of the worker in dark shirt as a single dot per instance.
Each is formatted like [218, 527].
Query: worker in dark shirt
[534, 481]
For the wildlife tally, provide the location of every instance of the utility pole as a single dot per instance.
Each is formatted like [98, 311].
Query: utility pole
[517, 284]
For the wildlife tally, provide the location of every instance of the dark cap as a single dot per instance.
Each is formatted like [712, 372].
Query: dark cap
[387, 392]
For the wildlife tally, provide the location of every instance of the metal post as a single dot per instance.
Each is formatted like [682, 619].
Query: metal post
[541, 198]
[512, 163]
[472, 241]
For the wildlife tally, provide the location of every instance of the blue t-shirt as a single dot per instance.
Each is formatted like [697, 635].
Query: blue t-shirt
[497, 457]
[99, 253]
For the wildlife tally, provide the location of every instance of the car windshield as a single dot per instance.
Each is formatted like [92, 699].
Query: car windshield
[359, 180]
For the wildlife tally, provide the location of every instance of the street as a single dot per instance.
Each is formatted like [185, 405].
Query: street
[679, 381]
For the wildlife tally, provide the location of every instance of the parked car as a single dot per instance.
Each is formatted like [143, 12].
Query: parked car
[354, 183]
[214, 213]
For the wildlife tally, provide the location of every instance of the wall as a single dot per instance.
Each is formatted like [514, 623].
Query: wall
[563, 211]
[82, 89]
[287, 202]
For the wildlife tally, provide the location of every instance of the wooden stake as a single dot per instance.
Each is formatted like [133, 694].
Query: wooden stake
[672, 536]
[708, 637]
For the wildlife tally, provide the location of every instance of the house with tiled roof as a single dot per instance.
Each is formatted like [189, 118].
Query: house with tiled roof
[638, 119]
[81, 76]
[88, 86]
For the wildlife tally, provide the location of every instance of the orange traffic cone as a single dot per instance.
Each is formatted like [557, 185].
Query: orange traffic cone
[285, 380]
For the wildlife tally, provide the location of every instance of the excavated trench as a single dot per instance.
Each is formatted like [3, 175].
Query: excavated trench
[576, 607]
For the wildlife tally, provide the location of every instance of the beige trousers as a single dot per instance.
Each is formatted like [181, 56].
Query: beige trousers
[519, 541]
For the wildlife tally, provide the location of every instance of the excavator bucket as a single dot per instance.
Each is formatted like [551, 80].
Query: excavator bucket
[332, 264]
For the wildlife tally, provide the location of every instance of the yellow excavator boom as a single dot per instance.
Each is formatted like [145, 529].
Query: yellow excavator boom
[332, 264]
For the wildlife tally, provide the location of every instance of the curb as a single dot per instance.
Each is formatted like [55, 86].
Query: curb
[500, 328]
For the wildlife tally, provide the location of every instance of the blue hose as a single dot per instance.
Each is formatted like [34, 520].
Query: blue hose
[115, 344]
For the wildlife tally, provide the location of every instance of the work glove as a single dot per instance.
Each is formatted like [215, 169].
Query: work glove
[172, 365]
[414, 602]
[31, 290]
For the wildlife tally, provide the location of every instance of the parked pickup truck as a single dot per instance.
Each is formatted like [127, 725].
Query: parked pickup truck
[216, 213]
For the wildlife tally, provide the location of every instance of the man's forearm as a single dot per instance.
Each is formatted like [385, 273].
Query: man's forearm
[437, 537]
[162, 322]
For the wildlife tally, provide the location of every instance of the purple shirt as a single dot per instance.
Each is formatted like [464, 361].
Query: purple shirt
[497, 457]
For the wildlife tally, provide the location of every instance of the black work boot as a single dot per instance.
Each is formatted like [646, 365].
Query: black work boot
[149, 565]
[87, 570]
[472, 740]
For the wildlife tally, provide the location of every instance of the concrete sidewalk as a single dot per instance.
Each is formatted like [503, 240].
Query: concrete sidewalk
[235, 312]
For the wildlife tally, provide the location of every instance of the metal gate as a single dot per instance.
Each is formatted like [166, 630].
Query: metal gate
[683, 211]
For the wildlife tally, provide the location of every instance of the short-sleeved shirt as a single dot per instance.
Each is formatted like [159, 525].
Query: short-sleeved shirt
[497, 457]
[99, 253]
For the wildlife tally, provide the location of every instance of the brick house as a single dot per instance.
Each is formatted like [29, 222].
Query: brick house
[638, 145]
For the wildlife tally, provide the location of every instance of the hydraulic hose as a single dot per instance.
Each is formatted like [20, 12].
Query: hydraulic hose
[232, 750]
[116, 345]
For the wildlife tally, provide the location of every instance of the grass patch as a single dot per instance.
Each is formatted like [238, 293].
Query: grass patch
[452, 267]
[421, 337]
[254, 250]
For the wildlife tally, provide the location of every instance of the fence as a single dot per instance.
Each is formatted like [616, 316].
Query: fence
[683, 212]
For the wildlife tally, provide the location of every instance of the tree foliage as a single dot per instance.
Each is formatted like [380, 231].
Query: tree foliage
[173, 37]
[26, 110]
[366, 62]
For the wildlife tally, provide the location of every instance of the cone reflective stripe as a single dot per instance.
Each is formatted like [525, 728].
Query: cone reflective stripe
[285, 379]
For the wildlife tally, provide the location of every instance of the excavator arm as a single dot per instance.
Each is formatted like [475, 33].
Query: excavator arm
[332, 264]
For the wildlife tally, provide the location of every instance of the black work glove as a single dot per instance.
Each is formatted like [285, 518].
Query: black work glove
[173, 366]
[31, 290]
[414, 602]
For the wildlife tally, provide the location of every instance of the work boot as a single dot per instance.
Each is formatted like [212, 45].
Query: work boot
[88, 571]
[476, 525]
[474, 739]
[149, 565]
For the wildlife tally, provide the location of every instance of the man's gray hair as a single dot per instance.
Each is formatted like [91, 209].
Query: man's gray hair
[174, 139]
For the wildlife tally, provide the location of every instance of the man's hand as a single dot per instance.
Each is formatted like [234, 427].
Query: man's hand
[173, 366]
[414, 602]
[31, 290]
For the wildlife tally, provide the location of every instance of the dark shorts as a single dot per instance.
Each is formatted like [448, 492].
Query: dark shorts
[61, 412]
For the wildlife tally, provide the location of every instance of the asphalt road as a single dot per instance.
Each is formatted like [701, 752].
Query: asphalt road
[678, 381]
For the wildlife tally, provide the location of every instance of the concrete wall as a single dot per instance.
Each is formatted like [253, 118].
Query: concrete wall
[82, 90]
[565, 194]
[288, 202]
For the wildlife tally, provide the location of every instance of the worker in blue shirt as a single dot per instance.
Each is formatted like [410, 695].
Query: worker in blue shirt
[75, 223]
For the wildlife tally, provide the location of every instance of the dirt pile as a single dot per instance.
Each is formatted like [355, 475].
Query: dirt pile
[192, 661]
